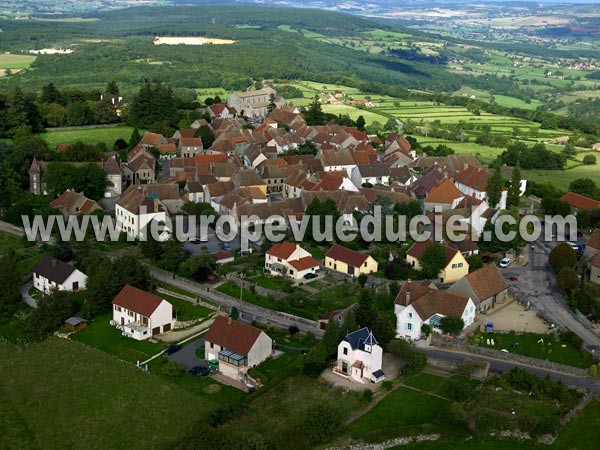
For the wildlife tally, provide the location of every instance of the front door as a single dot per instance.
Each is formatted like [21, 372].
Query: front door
[75, 285]
[344, 367]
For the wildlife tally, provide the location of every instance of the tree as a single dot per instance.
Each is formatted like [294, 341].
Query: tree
[360, 123]
[426, 329]
[314, 115]
[49, 316]
[331, 338]
[271, 106]
[562, 256]
[349, 324]
[433, 260]
[10, 283]
[452, 325]
[494, 187]
[199, 267]
[366, 314]
[206, 134]
[50, 94]
[315, 360]
[234, 314]
[9, 187]
[514, 190]
[567, 279]
[79, 114]
[362, 279]
[321, 422]
[383, 330]
[111, 88]
[475, 262]
[584, 186]
[135, 138]
[154, 103]
[589, 160]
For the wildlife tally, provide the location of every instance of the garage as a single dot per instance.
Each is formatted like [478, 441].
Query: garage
[155, 331]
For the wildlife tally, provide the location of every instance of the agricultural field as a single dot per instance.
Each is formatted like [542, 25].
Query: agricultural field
[14, 63]
[61, 394]
[108, 135]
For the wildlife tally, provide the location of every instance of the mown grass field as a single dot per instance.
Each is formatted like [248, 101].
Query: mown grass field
[61, 394]
[108, 135]
[15, 61]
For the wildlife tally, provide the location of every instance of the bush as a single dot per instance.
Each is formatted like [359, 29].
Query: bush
[589, 160]
[321, 422]
[593, 370]
[562, 256]
[387, 385]
[367, 395]
[459, 389]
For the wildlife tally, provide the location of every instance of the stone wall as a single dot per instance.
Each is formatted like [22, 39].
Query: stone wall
[438, 341]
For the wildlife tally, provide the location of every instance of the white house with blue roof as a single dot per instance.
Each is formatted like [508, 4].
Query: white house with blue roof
[360, 357]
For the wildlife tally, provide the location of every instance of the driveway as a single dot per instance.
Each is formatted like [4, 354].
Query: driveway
[25, 294]
[187, 355]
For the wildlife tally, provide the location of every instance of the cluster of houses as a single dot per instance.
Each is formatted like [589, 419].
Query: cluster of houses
[255, 167]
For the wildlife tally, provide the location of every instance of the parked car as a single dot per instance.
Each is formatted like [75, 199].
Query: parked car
[173, 348]
[226, 246]
[574, 246]
[310, 276]
[195, 241]
[504, 263]
[199, 371]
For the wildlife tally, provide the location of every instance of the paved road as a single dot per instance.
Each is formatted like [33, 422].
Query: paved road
[499, 365]
[537, 285]
[248, 311]
[187, 355]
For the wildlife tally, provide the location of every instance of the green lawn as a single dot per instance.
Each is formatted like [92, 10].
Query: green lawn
[551, 349]
[100, 334]
[425, 382]
[233, 290]
[108, 135]
[186, 310]
[269, 282]
[402, 412]
[60, 394]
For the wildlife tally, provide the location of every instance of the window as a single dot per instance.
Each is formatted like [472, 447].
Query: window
[345, 350]
[410, 315]
[457, 266]
[409, 326]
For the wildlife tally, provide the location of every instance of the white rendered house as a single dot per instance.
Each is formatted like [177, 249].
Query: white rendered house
[291, 260]
[419, 303]
[360, 357]
[52, 274]
[140, 314]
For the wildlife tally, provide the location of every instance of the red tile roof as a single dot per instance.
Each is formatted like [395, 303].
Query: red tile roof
[580, 201]
[232, 335]
[594, 240]
[445, 192]
[282, 250]
[487, 282]
[304, 263]
[351, 257]
[474, 177]
[136, 300]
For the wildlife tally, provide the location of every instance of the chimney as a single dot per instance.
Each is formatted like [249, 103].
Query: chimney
[407, 298]
[155, 205]
[54, 264]
[229, 320]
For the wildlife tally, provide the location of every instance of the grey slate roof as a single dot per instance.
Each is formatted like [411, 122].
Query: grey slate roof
[53, 269]
[359, 338]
